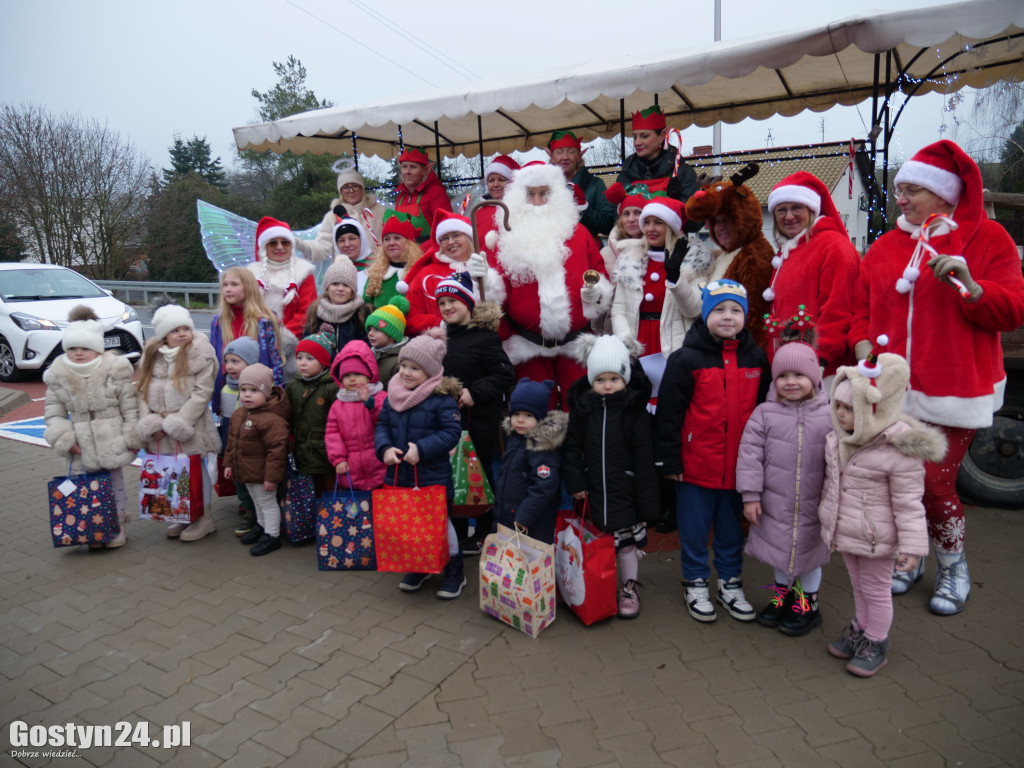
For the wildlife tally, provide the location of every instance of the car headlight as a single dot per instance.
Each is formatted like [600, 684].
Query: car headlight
[129, 315]
[33, 323]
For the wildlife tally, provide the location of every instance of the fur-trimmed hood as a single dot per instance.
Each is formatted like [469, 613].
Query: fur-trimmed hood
[486, 315]
[915, 438]
[548, 435]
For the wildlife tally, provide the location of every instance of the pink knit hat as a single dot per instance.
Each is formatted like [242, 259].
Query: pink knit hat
[800, 357]
[426, 351]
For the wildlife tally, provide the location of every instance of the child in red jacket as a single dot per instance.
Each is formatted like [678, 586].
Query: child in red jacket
[710, 387]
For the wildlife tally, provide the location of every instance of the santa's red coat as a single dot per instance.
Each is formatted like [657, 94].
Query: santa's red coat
[423, 278]
[953, 347]
[820, 274]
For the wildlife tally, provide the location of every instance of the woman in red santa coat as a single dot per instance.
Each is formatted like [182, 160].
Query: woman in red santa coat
[942, 286]
[815, 267]
[538, 277]
[286, 280]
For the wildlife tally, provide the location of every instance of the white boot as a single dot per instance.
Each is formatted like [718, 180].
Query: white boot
[952, 585]
[122, 537]
[204, 526]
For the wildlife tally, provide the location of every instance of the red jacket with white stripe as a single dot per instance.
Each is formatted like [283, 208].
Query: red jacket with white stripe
[708, 392]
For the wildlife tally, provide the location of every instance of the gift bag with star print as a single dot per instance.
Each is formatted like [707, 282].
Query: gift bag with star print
[344, 531]
[299, 507]
[412, 528]
[82, 509]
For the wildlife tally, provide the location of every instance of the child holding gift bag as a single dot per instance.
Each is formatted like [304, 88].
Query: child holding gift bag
[176, 383]
[352, 420]
[91, 409]
[608, 457]
[419, 425]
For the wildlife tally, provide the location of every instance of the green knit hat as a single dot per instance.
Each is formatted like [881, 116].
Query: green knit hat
[390, 318]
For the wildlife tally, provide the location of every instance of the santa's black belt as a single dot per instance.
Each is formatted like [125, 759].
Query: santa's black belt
[536, 338]
[650, 315]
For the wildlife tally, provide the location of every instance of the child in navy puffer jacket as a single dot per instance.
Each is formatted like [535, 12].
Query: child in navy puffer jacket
[419, 425]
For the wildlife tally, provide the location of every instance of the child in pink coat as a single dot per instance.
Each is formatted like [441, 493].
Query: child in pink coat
[871, 509]
[353, 417]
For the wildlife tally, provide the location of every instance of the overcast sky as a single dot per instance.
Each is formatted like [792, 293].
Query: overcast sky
[150, 70]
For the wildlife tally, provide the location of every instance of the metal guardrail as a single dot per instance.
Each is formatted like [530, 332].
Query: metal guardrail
[125, 289]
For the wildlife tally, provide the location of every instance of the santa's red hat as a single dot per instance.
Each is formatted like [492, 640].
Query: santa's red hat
[393, 225]
[414, 155]
[808, 190]
[563, 139]
[446, 222]
[944, 169]
[503, 165]
[668, 209]
[269, 229]
[650, 119]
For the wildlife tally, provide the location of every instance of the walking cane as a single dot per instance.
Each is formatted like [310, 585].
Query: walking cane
[476, 234]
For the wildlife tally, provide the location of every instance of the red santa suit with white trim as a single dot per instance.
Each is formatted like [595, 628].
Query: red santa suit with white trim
[537, 275]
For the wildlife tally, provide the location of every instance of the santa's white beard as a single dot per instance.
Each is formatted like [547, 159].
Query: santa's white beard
[535, 248]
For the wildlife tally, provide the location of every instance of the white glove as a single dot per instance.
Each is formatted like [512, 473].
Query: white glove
[590, 294]
[477, 266]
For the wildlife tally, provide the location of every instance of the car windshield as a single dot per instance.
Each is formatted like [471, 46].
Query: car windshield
[45, 285]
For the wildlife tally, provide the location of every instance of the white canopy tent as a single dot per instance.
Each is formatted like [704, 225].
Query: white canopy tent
[933, 48]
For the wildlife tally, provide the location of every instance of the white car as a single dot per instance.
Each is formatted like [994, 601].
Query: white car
[35, 300]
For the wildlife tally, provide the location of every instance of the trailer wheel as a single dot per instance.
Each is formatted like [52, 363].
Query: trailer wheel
[992, 472]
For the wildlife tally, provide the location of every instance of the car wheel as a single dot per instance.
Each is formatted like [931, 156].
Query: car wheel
[992, 472]
[8, 368]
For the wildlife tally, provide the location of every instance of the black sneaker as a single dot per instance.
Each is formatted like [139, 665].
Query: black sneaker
[473, 545]
[778, 608]
[413, 581]
[452, 579]
[253, 535]
[265, 545]
[802, 617]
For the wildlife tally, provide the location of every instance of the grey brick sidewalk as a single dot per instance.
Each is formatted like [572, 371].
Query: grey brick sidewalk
[274, 663]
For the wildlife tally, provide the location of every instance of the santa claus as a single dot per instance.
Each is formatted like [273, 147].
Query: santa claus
[548, 275]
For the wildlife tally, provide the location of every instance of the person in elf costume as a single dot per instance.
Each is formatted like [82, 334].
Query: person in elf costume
[653, 163]
[566, 152]
[421, 194]
[548, 276]
[942, 285]
[392, 261]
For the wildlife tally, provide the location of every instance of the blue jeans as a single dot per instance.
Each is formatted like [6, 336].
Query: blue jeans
[697, 509]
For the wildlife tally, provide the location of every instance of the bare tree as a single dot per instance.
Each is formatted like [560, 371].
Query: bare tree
[74, 190]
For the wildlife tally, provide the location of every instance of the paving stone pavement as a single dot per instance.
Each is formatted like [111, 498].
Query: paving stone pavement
[274, 663]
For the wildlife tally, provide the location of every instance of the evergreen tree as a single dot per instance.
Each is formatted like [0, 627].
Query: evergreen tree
[11, 246]
[193, 156]
[173, 242]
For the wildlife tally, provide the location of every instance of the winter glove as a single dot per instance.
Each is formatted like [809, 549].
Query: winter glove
[590, 294]
[675, 260]
[675, 188]
[477, 266]
[950, 268]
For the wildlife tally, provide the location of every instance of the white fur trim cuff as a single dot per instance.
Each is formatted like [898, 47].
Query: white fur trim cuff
[270, 233]
[499, 168]
[794, 193]
[941, 182]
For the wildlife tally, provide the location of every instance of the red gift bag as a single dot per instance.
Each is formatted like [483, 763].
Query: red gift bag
[585, 567]
[411, 527]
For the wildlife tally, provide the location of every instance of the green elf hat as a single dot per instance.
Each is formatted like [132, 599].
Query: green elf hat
[650, 119]
[414, 155]
[563, 139]
[397, 223]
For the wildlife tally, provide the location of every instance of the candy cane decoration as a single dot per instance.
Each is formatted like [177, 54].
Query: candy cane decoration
[465, 204]
[679, 152]
[369, 218]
